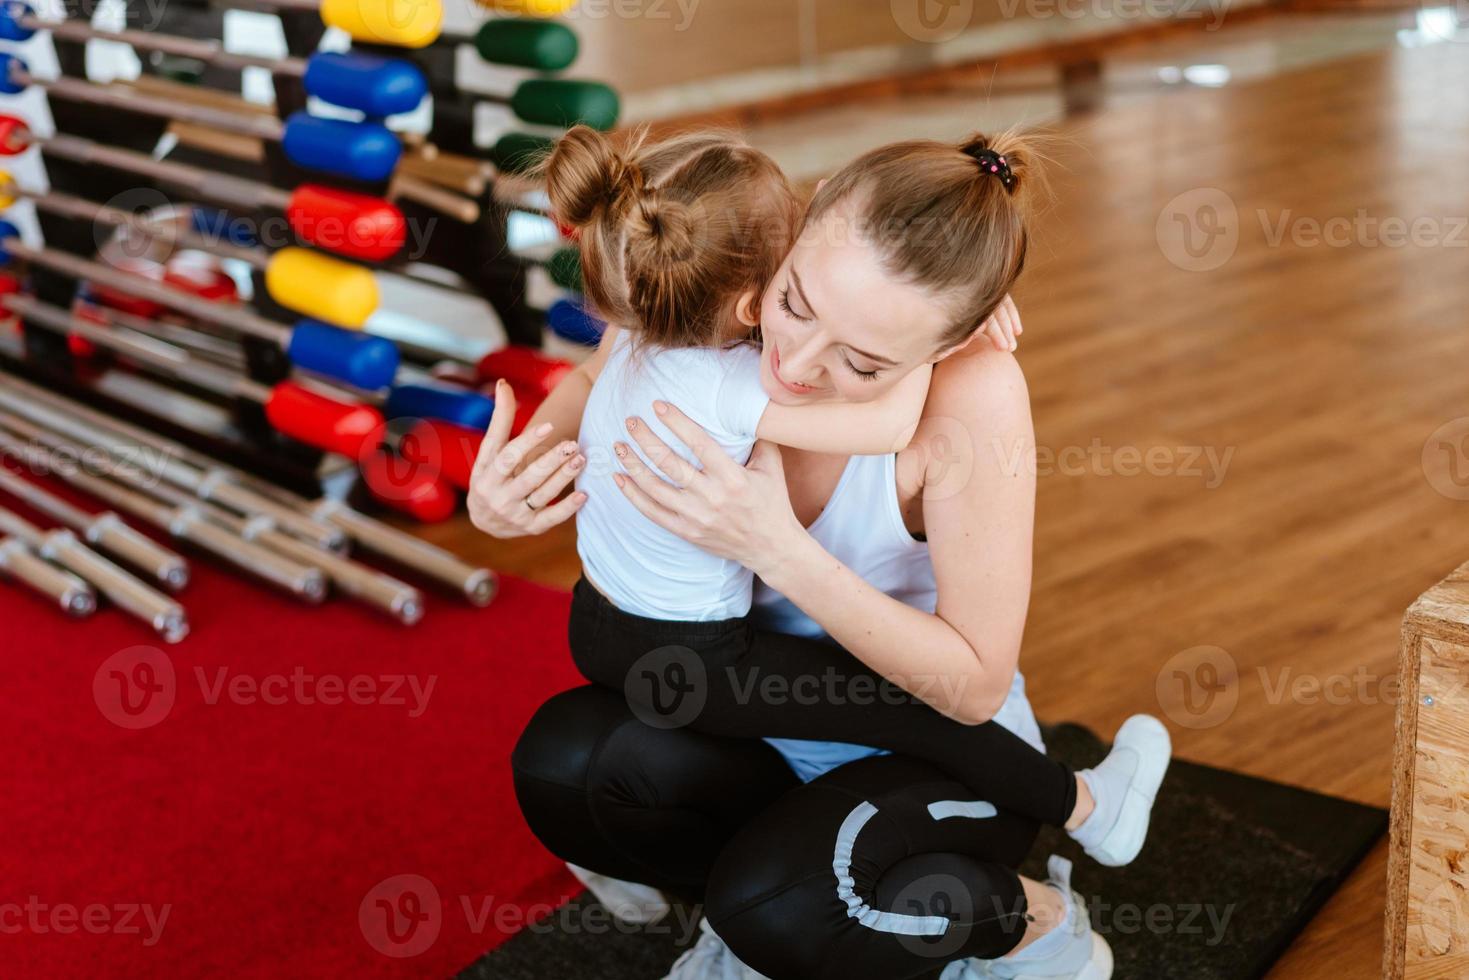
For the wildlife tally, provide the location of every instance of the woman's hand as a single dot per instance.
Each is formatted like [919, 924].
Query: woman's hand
[742, 513]
[1003, 326]
[510, 499]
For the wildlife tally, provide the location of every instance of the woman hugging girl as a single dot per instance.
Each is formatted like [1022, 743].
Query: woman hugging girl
[685, 247]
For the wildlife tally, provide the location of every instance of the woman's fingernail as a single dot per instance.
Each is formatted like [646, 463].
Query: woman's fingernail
[544, 428]
[1014, 345]
[575, 464]
[632, 424]
[580, 498]
[661, 408]
[619, 479]
[499, 385]
[620, 450]
[567, 448]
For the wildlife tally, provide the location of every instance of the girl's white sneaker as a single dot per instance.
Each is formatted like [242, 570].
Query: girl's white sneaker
[1125, 784]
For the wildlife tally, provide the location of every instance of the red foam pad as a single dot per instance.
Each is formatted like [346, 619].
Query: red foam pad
[526, 369]
[356, 225]
[15, 136]
[118, 299]
[201, 275]
[524, 409]
[336, 427]
[443, 448]
[409, 487]
[80, 346]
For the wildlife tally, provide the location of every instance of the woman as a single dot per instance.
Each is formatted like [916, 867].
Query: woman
[918, 564]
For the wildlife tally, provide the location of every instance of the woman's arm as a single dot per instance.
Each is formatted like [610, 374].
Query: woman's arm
[978, 514]
[883, 425]
[978, 505]
[515, 481]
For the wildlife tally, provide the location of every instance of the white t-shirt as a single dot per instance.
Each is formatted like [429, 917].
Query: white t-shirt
[862, 527]
[640, 567]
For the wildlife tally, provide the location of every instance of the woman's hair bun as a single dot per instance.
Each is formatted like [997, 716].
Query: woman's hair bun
[587, 177]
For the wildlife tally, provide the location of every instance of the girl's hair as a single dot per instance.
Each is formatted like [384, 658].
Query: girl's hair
[673, 232]
[951, 219]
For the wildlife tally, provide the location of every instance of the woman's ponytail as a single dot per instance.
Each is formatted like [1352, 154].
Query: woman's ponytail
[951, 218]
[1006, 158]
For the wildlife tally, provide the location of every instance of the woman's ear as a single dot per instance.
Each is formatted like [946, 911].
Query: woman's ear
[953, 349]
[747, 308]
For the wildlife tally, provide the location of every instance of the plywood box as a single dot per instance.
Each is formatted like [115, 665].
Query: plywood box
[1427, 932]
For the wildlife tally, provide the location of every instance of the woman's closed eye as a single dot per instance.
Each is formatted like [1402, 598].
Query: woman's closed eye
[785, 305]
[864, 375]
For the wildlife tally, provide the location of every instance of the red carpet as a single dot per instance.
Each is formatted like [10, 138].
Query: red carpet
[233, 836]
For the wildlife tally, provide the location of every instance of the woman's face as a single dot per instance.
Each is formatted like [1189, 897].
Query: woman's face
[836, 326]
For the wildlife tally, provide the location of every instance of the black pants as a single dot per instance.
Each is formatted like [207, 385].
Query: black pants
[930, 874]
[728, 678]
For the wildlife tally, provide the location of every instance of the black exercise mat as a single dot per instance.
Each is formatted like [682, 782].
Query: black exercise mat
[1233, 870]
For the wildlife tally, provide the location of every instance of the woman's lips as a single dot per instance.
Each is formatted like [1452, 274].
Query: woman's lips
[794, 387]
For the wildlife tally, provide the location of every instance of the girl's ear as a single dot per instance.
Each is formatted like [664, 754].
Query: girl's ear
[747, 308]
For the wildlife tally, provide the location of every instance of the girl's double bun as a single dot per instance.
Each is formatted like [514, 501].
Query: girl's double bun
[586, 177]
[672, 233]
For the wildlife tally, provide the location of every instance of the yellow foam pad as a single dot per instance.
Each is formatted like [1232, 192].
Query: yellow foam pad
[529, 8]
[8, 193]
[322, 287]
[402, 23]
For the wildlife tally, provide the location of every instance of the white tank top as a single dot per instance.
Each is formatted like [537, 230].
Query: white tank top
[862, 527]
[640, 567]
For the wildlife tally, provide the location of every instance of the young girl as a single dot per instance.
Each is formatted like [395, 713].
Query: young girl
[679, 240]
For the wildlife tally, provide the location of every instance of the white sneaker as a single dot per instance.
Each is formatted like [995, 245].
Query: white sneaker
[1131, 774]
[628, 901]
[1086, 956]
[710, 959]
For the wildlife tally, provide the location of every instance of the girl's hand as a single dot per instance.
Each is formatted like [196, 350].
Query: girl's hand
[509, 499]
[1003, 326]
[742, 513]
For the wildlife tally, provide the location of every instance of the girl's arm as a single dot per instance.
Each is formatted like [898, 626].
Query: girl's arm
[978, 506]
[565, 404]
[515, 481]
[883, 425]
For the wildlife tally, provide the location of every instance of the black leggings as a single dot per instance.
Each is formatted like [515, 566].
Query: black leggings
[728, 678]
[930, 869]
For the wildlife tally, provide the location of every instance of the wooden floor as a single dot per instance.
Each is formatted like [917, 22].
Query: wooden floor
[1323, 369]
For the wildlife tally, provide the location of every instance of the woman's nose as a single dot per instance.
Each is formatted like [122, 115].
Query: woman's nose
[798, 363]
